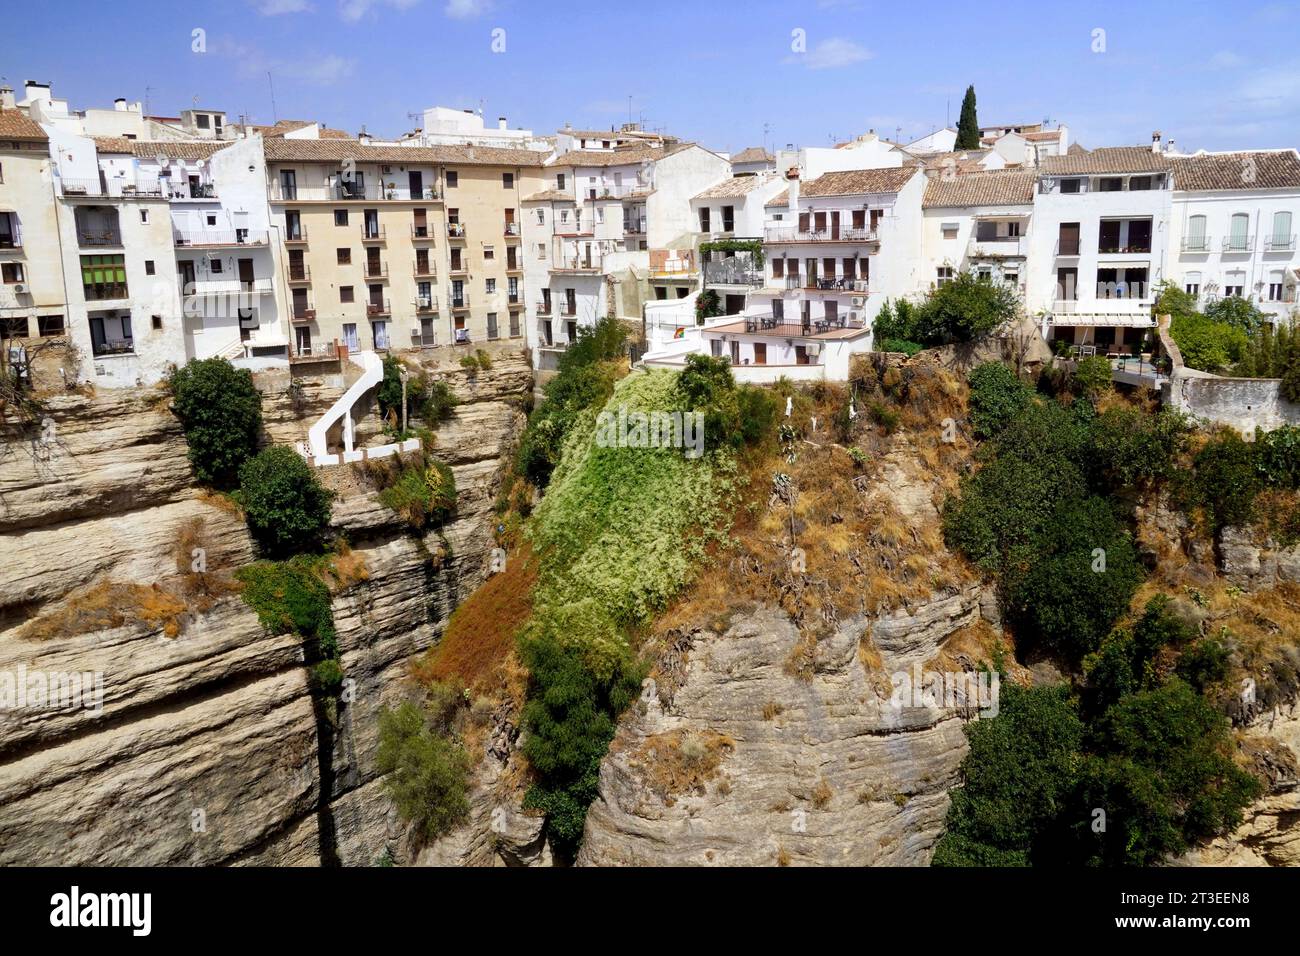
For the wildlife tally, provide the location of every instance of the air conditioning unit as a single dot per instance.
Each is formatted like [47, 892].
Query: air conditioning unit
[416, 331]
[20, 288]
[859, 301]
[814, 348]
[385, 169]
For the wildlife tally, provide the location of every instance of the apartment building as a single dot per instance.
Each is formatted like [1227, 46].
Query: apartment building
[33, 301]
[734, 209]
[612, 228]
[395, 247]
[1100, 243]
[1234, 226]
[980, 222]
[224, 259]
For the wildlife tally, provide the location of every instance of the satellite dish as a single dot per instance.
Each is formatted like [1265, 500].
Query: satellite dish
[163, 161]
[200, 164]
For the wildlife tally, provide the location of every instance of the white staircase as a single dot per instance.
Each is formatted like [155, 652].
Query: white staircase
[317, 451]
[233, 350]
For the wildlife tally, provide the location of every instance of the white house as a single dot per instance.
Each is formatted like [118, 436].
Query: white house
[734, 209]
[1234, 226]
[978, 221]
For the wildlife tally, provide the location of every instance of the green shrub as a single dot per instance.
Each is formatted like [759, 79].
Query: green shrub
[1093, 375]
[1236, 312]
[1227, 481]
[905, 346]
[426, 774]
[286, 506]
[1130, 447]
[221, 412]
[1125, 662]
[1207, 345]
[424, 493]
[997, 395]
[290, 598]
[1277, 457]
[963, 309]
[439, 401]
[884, 416]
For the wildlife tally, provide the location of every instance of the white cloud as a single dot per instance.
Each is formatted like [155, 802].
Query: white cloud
[251, 62]
[354, 10]
[466, 9]
[833, 54]
[1226, 60]
[1273, 90]
[275, 8]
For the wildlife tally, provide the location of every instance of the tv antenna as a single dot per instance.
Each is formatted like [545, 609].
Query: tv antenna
[275, 113]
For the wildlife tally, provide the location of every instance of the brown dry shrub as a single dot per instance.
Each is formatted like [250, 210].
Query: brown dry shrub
[683, 761]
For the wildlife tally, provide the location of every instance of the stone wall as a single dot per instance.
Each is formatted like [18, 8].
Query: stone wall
[1240, 403]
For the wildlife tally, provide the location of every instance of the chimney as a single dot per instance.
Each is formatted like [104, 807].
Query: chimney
[119, 104]
[792, 186]
[7, 101]
[501, 122]
[1155, 141]
[36, 91]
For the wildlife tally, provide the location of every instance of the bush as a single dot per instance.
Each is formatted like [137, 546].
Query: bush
[1226, 481]
[908, 348]
[426, 775]
[1093, 375]
[221, 412]
[438, 402]
[1277, 457]
[423, 494]
[286, 506]
[291, 598]
[1234, 311]
[1132, 447]
[997, 395]
[1207, 345]
[963, 309]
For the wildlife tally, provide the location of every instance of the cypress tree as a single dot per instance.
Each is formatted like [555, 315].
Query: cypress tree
[968, 127]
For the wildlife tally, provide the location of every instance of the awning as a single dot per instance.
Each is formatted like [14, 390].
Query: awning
[1066, 319]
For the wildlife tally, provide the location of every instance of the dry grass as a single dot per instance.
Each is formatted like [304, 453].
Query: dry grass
[772, 710]
[681, 761]
[782, 856]
[478, 643]
[821, 794]
[107, 605]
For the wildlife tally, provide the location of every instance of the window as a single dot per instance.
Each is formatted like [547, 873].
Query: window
[492, 325]
[944, 275]
[1282, 239]
[1234, 283]
[1238, 240]
[1070, 185]
[15, 328]
[347, 293]
[148, 267]
[1195, 239]
[514, 325]
[1013, 230]
[1139, 183]
[201, 120]
[507, 180]
[559, 181]
[778, 268]
[1275, 287]
[216, 267]
[489, 254]
[541, 217]
[491, 285]
[340, 217]
[156, 322]
[1192, 283]
[344, 257]
[49, 324]
[1110, 184]
[211, 219]
[453, 179]
[144, 216]
[704, 219]
[11, 272]
[950, 230]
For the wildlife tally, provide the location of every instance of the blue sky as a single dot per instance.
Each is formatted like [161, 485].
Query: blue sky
[1211, 74]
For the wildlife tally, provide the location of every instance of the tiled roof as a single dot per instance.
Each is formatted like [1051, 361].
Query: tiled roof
[732, 188]
[17, 125]
[622, 156]
[1263, 169]
[283, 150]
[1107, 159]
[753, 154]
[550, 195]
[780, 199]
[858, 182]
[171, 148]
[996, 188]
[1043, 136]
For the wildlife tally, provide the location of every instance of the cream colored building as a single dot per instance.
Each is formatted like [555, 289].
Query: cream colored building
[396, 247]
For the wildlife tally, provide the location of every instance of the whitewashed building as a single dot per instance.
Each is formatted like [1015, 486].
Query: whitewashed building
[980, 222]
[1234, 221]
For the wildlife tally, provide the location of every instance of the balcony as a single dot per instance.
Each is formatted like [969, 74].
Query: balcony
[512, 230]
[378, 307]
[998, 247]
[1238, 244]
[841, 234]
[351, 192]
[324, 352]
[212, 238]
[544, 308]
[188, 190]
[124, 346]
[376, 270]
[732, 271]
[421, 341]
[424, 270]
[300, 273]
[230, 287]
[1271, 244]
[426, 303]
[514, 265]
[1066, 248]
[512, 298]
[569, 310]
[613, 190]
[1133, 248]
[372, 233]
[458, 267]
[826, 284]
[460, 302]
[110, 189]
[575, 228]
[634, 227]
[1196, 244]
[302, 313]
[105, 291]
[422, 233]
[456, 230]
[296, 237]
[99, 239]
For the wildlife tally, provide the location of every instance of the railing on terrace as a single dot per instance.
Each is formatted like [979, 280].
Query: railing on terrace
[186, 190]
[300, 273]
[351, 192]
[1238, 243]
[1196, 244]
[314, 353]
[373, 233]
[998, 246]
[421, 232]
[634, 227]
[460, 301]
[220, 237]
[98, 238]
[1279, 244]
[842, 234]
[456, 230]
[380, 307]
[376, 270]
[112, 188]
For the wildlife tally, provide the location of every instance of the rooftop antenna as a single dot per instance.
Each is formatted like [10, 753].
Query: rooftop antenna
[898, 134]
[275, 113]
[767, 128]
[147, 91]
[629, 107]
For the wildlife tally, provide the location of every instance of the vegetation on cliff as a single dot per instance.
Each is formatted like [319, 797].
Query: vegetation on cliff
[221, 412]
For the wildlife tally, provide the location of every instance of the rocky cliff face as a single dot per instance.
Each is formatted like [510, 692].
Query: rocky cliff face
[207, 748]
[744, 763]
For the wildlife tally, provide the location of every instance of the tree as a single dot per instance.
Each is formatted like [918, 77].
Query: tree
[286, 506]
[964, 309]
[968, 126]
[425, 773]
[221, 412]
[997, 395]
[1237, 312]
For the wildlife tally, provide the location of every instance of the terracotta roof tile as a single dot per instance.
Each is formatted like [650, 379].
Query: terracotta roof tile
[753, 154]
[623, 156]
[283, 150]
[732, 188]
[171, 148]
[996, 188]
[1107, 159]
[780, 199]
[17, 125]
[1263, 169]
[858, 182]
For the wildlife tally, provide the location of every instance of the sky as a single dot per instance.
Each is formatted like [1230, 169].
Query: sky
[1212, 75]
